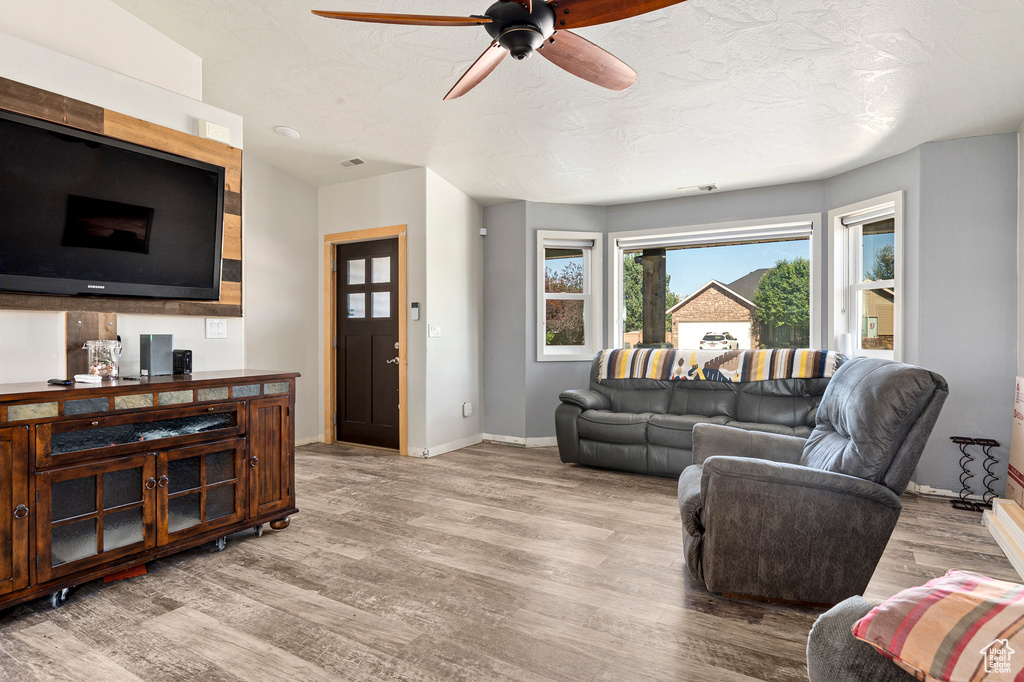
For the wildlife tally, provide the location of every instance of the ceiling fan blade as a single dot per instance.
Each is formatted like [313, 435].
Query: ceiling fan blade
[578, 13]
[412, 19]
[582, 58]
[483, 66]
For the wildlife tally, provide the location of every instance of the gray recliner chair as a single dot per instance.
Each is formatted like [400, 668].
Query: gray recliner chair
[778, 517]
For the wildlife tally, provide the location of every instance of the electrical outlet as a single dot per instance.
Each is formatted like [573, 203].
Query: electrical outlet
[216, 328]
[467, 409]
[434, 331]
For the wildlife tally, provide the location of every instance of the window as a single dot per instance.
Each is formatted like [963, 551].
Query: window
[568, 295]
[866, 284]
[727, 286]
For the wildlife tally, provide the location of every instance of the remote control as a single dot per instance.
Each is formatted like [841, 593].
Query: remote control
[60, 382]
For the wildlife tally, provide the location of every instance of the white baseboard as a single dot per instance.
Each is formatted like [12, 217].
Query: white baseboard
[938, 492]
[436, 450]
[542, 442]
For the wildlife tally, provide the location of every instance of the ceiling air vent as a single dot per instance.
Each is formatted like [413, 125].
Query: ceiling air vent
[354, 161]
[699, 189]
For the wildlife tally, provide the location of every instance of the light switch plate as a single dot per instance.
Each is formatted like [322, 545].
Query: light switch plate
[216, 328]
[433, 331]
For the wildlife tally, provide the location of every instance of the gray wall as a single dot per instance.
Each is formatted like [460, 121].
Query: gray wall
[545, 380]
[968, 295]
[505, 305]
[960, 284]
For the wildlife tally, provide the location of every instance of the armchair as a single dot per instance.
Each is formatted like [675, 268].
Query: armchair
[779, 517]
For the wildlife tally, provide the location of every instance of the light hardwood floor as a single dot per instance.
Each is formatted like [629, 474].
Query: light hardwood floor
[489, 563]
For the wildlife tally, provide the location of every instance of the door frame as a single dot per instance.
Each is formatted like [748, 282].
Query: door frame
[331, 241]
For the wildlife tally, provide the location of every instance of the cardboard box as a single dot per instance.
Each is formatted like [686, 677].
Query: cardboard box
[1015, 476]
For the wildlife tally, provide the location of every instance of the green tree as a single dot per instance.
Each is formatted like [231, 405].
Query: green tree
[884, 265]
[783, 295]
[633, 295]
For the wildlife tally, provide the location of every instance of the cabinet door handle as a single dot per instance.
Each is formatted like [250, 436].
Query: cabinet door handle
[20, 512]
[162, 482]
[254, 461]
[94, 423]
[150, 483]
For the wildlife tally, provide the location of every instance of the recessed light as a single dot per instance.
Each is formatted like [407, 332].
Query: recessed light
[285, 131]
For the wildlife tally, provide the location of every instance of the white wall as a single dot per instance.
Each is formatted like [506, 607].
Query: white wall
[101, 33]
[444, 275]
[279, 284]
[455, 304]
[32, 336]
[383, 201]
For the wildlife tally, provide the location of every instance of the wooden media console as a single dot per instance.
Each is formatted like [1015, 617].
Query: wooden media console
[96, 478]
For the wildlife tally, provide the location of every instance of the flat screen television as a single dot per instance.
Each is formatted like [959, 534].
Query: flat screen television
[84, 214]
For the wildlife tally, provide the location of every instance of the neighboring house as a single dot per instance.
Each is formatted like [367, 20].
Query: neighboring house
[717, 307]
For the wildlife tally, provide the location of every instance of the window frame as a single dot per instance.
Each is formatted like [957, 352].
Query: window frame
[593, 302]
[846, 261]
[806, 225]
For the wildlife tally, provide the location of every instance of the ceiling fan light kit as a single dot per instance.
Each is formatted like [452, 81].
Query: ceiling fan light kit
[522, 27]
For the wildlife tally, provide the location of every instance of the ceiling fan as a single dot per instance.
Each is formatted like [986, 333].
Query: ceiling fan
[522, 27]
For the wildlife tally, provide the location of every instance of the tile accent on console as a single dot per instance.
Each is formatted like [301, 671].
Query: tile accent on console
[246, 391]
[17, 413]
[174, 397]
[275, 387]
[86, 406]
[131, 402]
[219, 393]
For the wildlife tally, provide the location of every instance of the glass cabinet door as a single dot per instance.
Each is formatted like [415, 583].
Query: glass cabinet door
[95, 513]
[201, 488]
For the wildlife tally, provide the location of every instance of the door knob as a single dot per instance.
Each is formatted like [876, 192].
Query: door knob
[150, 483]
[393, 361]
[20, 512]
[162, 482]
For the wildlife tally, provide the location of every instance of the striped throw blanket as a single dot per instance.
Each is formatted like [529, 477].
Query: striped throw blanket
[714, 365]
[962, 626]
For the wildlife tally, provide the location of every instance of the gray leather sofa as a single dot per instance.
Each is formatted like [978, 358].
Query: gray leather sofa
[785, 518]
[645, 426]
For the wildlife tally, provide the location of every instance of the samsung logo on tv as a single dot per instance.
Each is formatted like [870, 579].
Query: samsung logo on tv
[94, 286]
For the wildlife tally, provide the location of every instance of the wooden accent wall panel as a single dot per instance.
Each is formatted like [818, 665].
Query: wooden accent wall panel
[80, 327]
[49, 106]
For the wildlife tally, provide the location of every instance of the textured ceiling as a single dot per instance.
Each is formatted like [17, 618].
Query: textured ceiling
[737, 92]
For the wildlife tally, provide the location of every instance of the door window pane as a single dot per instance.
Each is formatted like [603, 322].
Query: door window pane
[122, 528]
[357, 271]
[73, 541]
[122, 487]
[356, 305]
[73, 498]
[565, 323]
[183, 512]
[878, 248]
[220, 466]
[220, 502]
[381, 301]
[381, 270]
[876, 319]
[563, 271]
[183, 474]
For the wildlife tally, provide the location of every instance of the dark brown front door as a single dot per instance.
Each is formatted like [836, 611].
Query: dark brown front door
[367, 343]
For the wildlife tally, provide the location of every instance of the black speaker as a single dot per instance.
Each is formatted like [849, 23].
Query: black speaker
[182, 361]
